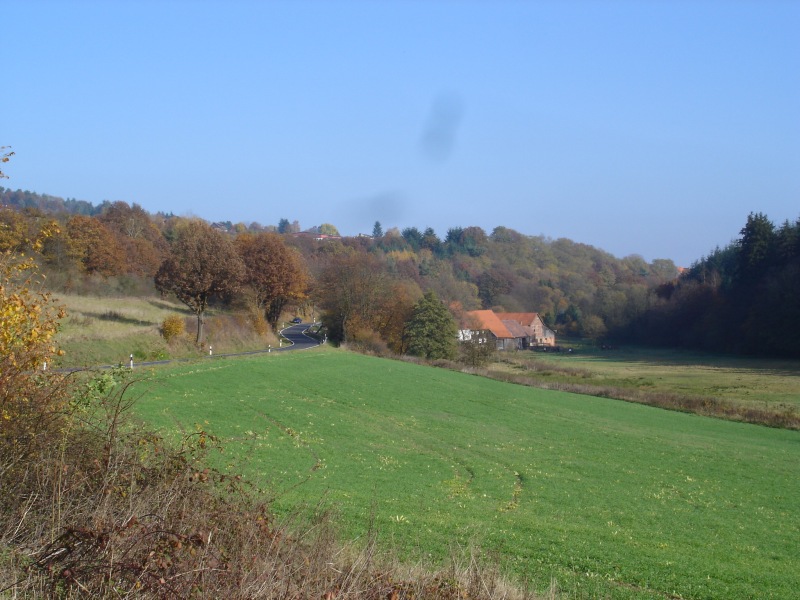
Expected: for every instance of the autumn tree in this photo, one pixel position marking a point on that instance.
(492, 284)
(28, 325)
(14, 230)
(393, 315)
(143, 245)
(275, 273)
(431, 329)
(93, 247)
(202, 263)
(328, 229)
(352, 289)
(430, 240)
(31, 398)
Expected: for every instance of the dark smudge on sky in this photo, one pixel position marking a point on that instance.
(439, 134)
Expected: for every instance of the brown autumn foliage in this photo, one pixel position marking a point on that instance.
(395, 314)
(143, 245)
(275, 273)
(14, 230)
(202, 263)
(93, 247)
(352, 288)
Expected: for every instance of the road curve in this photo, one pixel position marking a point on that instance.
(297, 336)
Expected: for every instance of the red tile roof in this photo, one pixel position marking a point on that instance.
(487, 319)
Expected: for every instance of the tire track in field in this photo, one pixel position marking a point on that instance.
(463, 487)
(297, 438)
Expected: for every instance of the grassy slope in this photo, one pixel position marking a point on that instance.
(612, 499)
(101, 331)
(107, 330)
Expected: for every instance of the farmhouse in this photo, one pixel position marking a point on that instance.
(508, 331)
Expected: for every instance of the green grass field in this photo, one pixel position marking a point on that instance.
(611, 499)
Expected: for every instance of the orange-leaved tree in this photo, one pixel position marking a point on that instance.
(276, 274)
(136, 233)
(93, 247)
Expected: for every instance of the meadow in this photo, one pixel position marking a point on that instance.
(609, 499)
(744, 381)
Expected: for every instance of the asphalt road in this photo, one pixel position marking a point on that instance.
(300, 341)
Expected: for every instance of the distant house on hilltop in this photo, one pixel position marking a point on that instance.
(508, 331)
(316, 235)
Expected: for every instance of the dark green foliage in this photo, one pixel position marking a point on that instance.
(413, 237)
(431, 329)
(471, 241)
(755, 247)
(431, 241)
(377, 230)
(744, 298)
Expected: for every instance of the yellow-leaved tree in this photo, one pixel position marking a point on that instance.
(31, 397)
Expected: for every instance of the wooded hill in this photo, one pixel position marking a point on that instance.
(740, 298)
(743, 298)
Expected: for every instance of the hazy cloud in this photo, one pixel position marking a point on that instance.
(387, 207)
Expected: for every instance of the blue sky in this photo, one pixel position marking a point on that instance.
(639, 127)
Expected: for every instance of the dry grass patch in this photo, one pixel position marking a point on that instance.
(107, 330)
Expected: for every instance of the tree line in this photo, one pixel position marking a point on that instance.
(367, 286)
(743, 298)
